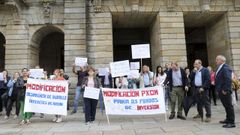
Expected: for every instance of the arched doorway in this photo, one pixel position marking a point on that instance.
(2, 52)
(47, 48)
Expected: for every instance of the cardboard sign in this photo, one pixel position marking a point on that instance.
(146, 101)
(103, 71)
(36, 73)
(46, 96)
(92, 93)
(134, 74)
(140, 51)
(120, 68)
(81, 62)
(134, 65)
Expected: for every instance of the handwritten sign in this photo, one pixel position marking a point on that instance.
(140, 51)
(120, 68)
(134, 74)
(144, 101)
(134, 65)
(81, 62)
(1, 77)
(46, 96)
(36, 73)
(103, 71)
(92, 93)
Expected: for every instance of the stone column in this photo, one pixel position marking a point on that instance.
(17, 46)
(75, 34)
(99, 38)
(234, 39)
(172, 38)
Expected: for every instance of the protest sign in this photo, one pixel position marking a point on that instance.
(46, 96)
(103, 71)
(1, 77)
(92, 93)
(140, 51)
(120, 68)
(134, 65)
(81, 62)
(134, 74)
(144, 101)
(36, 73)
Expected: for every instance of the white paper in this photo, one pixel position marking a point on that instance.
(36, 73)
(140, 51)
(134, 74)
(120, 68)
(103, 71)
(81, 62)
(1, 77)
(134, 65)
(92, 93)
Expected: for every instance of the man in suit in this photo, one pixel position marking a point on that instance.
(201, 83)
(223, 84)
(178, 85)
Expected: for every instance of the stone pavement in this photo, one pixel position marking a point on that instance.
(123, 125)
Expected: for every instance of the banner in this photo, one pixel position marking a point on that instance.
(46, 96)
(81, 62)
(140, 51)
(36, 73)
(92, 93)
(120, 68)
(144, 101)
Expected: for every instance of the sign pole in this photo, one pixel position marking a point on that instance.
(141, 64)
(108, 120)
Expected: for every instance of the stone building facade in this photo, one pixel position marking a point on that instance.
(51, 33)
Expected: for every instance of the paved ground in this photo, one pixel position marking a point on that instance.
(123, 125)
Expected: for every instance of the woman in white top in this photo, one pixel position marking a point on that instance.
(159, 78)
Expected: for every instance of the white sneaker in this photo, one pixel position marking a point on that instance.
(54, 119)
(15, 117)
(6, 117)
(59, 120)
(87, 123)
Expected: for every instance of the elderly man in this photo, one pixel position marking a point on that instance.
(178, 84)
(201, 82)
(223, 87)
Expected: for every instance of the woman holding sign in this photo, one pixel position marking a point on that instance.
(21, 85)
(90, 104)
(58, 76)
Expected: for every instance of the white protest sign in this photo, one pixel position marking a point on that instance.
(146, 101)
(134, 65)
(1, 77)
(46, 96)
(92, 93)
(81, 62)
(134, 74)
(120, 68)
(140, 51)
(103, 71)
(36, 73)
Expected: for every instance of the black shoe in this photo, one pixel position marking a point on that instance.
(73, 112)
(215, 104)
(223, 122)
(229, 125)
(171, 116)
(181, 117)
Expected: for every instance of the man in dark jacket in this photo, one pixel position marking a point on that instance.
(201, 83)
(178, 85)
(223, 85)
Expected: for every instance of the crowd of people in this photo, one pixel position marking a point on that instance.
(202, 83)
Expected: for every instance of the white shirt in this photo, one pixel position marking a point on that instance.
(198, 78)
(161, 78)
(219, 68)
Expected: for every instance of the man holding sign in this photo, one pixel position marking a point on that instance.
(91, 98)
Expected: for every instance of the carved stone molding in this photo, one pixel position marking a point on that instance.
(47, 9)
(97, 5)
(237, 4)
(171, 4)
(205, 5)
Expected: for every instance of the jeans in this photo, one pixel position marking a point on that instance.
(78, 95)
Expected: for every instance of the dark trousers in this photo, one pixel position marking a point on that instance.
(227, 104)
(213, 94)
(10, 102)
(3, 99)
(203, 100)
(90, 109)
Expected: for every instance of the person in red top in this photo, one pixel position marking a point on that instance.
(58, 76)
(212, 91)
